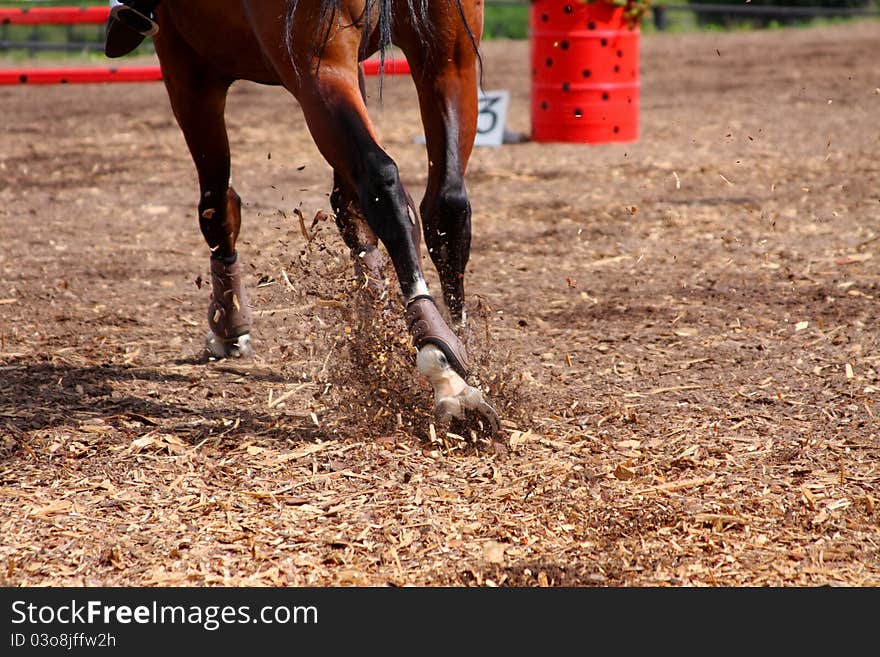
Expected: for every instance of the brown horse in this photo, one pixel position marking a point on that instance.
(313, 48)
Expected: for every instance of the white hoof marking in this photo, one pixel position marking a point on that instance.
(240, 347)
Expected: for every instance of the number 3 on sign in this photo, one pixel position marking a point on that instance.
(492, 117)
(491, 120)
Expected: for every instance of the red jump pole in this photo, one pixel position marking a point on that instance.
(92, 74)
(80, 75)
(53, 15)
(392, 67)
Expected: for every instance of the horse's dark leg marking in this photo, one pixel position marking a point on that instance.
(330, 93)
(448, 101)
(198, 99)
(353, 225)
(344, 136)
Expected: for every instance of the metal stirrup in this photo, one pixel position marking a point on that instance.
(139, 22)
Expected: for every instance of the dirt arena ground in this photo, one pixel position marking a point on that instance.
(681, 334)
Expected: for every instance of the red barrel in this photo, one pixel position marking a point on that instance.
(585, 72)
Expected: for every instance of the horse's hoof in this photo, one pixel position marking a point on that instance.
(453, 397)
(464, 406)
(218, 348)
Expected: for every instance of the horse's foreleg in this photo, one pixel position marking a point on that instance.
(198, 99)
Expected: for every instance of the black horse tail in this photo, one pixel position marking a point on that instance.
(329, 10)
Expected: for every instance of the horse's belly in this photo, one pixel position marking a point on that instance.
(253, 67)
(226, 39)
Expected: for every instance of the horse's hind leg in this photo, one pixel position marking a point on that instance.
(198, 99)
(447, 89)
(366, 175)
(357, 235)
(369, 265)
(337, 118)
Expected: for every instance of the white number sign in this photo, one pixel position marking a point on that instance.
(491, 120)
(492, 117)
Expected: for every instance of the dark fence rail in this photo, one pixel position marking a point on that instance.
(767, 10)
(54, 46)
(743, 7)
(746, 12)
